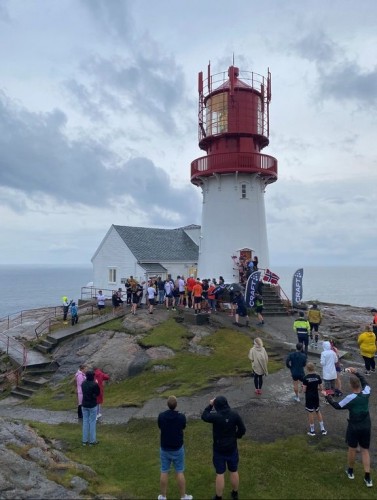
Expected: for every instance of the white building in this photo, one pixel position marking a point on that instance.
(144, 252)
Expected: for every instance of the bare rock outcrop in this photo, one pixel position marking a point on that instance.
(25, 460)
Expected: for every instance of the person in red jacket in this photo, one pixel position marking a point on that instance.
(100, 377)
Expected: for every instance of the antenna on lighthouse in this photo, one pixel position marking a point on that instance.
(233, 60)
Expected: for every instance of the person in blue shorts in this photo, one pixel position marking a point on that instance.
(296, 361)
(227, 427)
(171, 424)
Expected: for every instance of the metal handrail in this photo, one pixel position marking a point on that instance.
(12, 344)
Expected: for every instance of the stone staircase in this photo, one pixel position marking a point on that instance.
(34, 377)
(273, 304)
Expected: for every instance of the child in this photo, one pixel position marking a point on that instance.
(312, 383)
(74, 314)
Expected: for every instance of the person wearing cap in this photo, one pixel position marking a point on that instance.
(227, 427)
(172, 424)
(302, 328)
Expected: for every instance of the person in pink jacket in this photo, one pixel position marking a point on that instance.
(79, 379)
(100, 377)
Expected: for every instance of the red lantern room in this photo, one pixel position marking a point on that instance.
(234, 125)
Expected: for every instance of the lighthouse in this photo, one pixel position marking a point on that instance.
(233, 129)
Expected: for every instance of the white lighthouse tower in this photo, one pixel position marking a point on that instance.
(233, 129)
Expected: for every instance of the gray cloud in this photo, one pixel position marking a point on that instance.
(113, 17)
(38, 159)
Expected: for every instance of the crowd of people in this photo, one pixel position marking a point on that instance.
(200, 295)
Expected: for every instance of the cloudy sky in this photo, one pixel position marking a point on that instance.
(98, 121)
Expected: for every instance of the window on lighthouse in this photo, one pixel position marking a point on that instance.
(243, 191)
(217, 114)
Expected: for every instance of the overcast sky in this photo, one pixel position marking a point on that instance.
(98, 121)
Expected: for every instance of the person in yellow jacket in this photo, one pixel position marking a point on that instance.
(302, 327)
(314, 318)
(367, 345)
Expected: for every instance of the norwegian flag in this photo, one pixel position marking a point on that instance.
(270, 277)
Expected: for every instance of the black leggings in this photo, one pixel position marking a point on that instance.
(258, 381)
(369, 363)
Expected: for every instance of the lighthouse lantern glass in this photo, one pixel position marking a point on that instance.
(217, 114)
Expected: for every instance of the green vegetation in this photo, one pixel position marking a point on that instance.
(186, 373)
(127, 464)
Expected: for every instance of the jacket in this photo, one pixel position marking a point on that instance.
(328, 360)
(90, 391)
(314, 316)
(367, 344)
(79, 377)
(295, 362)
(259, 359)
(227, 425)
(301, 325)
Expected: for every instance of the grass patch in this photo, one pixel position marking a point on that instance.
(169, 334)
(186, 373)
(127, 464)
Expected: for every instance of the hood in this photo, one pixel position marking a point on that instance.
(326, 345)
(221, 403)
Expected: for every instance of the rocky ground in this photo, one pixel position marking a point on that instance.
(272, 416)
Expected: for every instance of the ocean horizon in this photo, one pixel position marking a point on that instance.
(31, 287)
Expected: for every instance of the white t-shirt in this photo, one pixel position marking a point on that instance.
(151, 292)
(181, 285)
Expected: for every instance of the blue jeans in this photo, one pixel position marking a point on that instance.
(89, 422)
(161, 296)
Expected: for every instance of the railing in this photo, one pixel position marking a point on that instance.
(90, 292)
(18, 318)
(284, 299)
(17, 352)
(264, 165)
(45, 326)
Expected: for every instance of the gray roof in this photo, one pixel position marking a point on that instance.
(151, 244)
(151, 267)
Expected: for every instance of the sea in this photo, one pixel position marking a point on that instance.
(32, 287)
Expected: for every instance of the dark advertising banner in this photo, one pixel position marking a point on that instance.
(250, 288)
(297, 289)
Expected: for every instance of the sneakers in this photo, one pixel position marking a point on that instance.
(368, 482)
(350, 474)
(94, 444)
(367, 372)
(161, 497)
(237, 324)
(187, 497)
(234, 495)
(324, 432)
(258, 392)
(310, 433)
(296, 398)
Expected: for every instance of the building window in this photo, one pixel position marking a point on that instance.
(243, 191)
(112, 275)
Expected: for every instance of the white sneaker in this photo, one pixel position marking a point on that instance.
(187, 497)
(296, 398)
(161, 497)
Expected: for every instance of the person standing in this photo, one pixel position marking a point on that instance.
(328, 362)
(172, 424)
(197, 291)
(367, 345)
(101, 299)
(241, 309)
(189, 285)
(259, 309)
(227, 427)
(374, 321)
(74, 314)
(296, 361)
(259, 363)
(314, 318)
(79, 379)
(100, 377)
(151, 292)
(312, 383)
(359, 423)
(302, 328)
(66, 304)
(90, 392)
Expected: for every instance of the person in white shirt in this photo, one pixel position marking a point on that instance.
(151, 292)
(100, 302)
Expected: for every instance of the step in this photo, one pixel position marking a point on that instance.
(41, 369)
(23, 391)
(18, 394)
(42, 348)
(37, 383)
